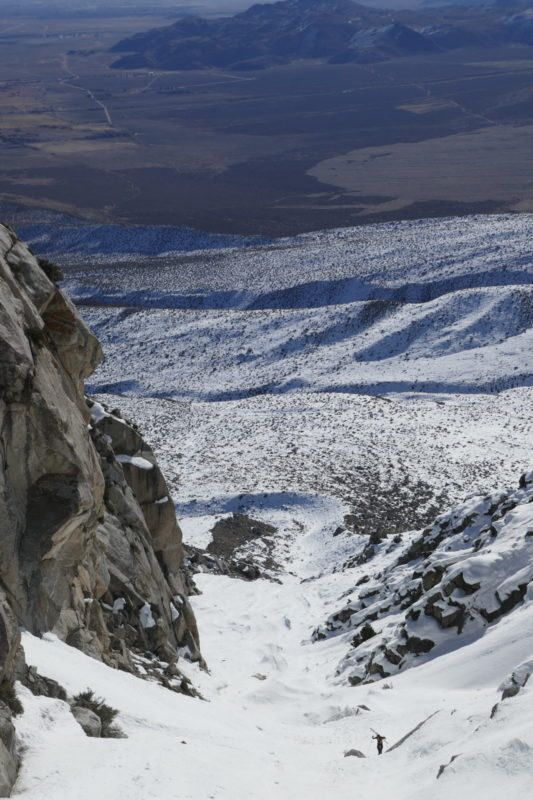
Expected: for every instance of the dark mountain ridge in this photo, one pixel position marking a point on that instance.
(339, 32)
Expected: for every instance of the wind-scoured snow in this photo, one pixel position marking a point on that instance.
(67, 236)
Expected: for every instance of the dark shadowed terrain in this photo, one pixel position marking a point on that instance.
(298, 146)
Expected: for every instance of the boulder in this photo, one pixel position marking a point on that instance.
(510, 691)
(89, 721)
(40, 685)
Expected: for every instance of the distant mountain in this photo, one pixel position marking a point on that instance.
(265, 35)
(338, 31)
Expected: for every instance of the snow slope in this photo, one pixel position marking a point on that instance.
(259, 375)
(341, 265)
(59, 235)
(467, 341)
(274, 725)
(259, 362)
(473, 566)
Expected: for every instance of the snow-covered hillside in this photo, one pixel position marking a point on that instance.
(346, 388)
(61, 235)
(291, 367)
(385, 367)
(391, 464)
(471, 567)
(414, 261)
(430, 306)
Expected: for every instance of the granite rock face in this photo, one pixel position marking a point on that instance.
(144, 604)
(8, 757)
(89, 545)
(11, 666)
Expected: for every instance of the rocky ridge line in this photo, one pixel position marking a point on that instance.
(450, 582)
(341, 32)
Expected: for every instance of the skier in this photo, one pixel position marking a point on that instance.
(380, 740)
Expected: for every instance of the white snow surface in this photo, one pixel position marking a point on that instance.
(387, 359)
(480, 557)
(135, 461)
(146, 616)
(433, 306)
(196, 529)
(274, 725)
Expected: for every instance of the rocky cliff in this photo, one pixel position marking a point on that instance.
(89, 545)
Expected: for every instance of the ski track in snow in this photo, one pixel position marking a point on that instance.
(274, 725)
(434, 314)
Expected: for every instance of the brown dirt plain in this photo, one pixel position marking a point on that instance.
(276, 152)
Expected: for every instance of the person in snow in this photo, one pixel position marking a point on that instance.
(379, 741)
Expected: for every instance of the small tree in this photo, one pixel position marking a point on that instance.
(9, 697)
(107, 714)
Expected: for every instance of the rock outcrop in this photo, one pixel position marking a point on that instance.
(89, 545)
(470, 568)
(145, 602)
